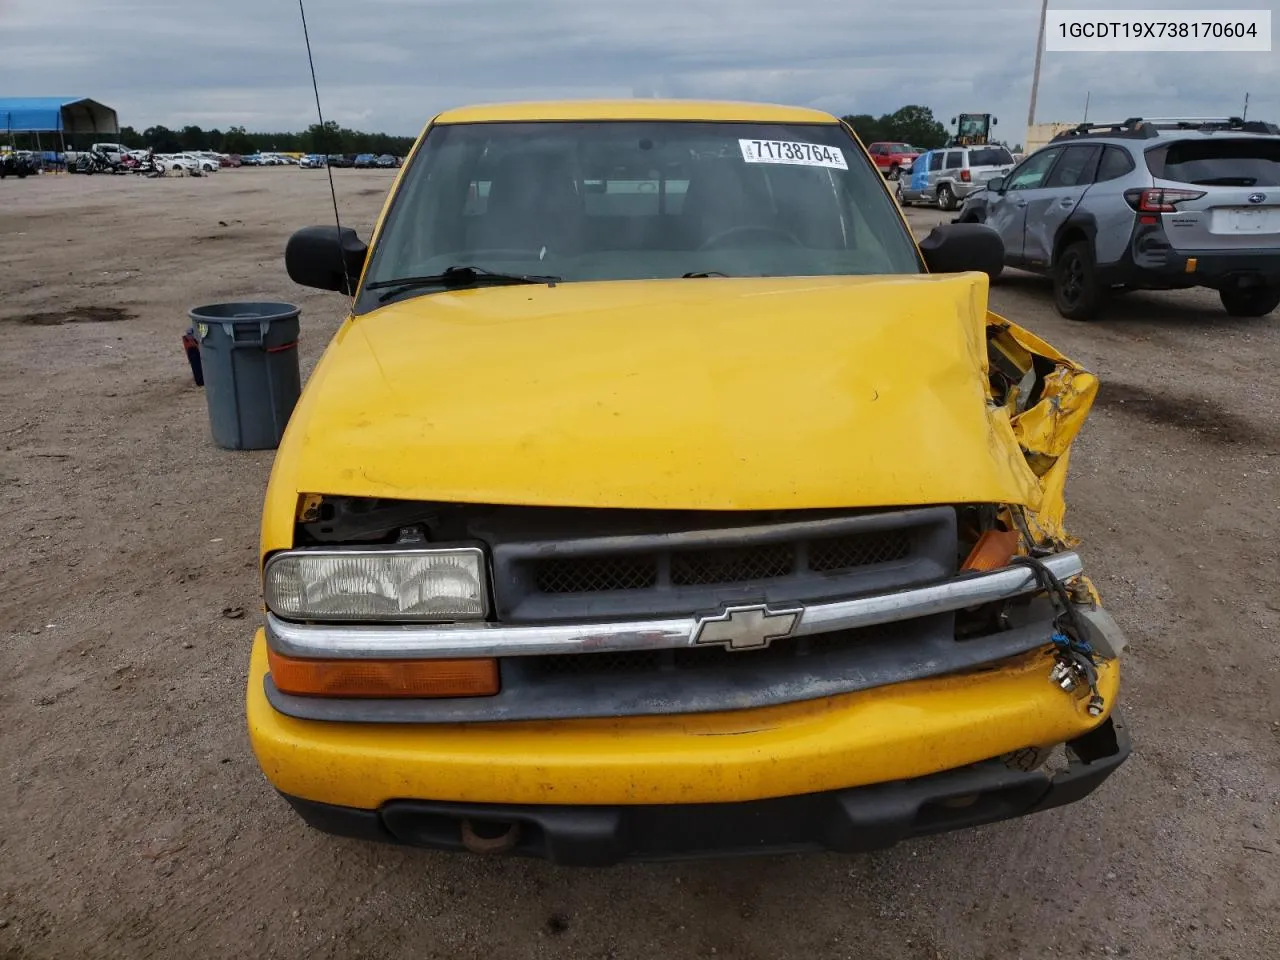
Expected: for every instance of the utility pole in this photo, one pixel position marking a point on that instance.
(1244, 114)
(1035, 76)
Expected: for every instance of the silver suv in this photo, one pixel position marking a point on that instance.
(948, 175)
(1145, 204)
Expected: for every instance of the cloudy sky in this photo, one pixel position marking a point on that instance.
(390, 64)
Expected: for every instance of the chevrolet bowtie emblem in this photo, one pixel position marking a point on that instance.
(745, 628)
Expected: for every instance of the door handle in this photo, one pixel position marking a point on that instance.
(1066, 202)
(1021, 203)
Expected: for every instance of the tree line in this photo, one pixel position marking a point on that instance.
(331, 138)
(913, 124)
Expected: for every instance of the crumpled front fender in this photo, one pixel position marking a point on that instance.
(1047, 398)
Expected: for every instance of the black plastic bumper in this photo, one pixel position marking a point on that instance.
(1151, 261)
(857, 819)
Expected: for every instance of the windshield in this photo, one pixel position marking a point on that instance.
(615, 200)
(902, 148)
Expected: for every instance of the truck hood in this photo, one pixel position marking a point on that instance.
(734, 394)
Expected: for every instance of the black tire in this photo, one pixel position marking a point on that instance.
(1027, 759)
(947, 198)
(1076, 292)
(1250, 301)
(894, 173)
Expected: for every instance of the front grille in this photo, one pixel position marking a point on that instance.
(732, 564)
(691, 568)
(596, 574)
(640, 566)
(846, 553)
(697, 659)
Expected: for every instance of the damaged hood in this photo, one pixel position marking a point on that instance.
(733, 394)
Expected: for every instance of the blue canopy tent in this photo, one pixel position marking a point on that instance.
(56, 115)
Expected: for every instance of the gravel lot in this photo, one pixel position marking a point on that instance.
(134, 822)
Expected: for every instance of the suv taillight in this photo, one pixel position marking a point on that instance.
(1159, 200)
(965, 175)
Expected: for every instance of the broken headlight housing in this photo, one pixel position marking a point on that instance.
(378, 585)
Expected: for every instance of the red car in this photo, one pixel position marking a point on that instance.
(891, 158)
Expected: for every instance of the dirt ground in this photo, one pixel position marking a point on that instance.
(134, 822)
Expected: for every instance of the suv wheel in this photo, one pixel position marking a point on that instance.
(894, 173)
(1075, 283)
(946, 198)
(1250, 301)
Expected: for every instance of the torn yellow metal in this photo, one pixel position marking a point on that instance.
(1046, 430)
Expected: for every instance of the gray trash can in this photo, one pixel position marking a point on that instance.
(249, 355)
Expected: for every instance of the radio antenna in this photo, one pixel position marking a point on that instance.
(315, 86)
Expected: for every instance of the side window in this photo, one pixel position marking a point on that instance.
(1033, 170)
(875, 149)
(955, 159)
(1115, 164)
(1075, 168)
(935, 161)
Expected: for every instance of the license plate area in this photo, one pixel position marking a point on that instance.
(1245, 220)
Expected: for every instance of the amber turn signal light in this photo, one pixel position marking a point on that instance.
(383, 678)
(994, 550)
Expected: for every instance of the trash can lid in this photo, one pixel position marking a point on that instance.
(250, 311)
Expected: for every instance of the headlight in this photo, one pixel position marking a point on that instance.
(405, 585)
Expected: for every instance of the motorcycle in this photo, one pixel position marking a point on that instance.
(145, 166)
(95, 161)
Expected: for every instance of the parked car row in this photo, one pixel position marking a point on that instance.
(364, 161)
(1144, 205)
(106, 156)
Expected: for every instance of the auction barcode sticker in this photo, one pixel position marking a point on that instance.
(1153, 31)
(793, 152)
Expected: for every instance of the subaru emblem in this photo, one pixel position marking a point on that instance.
(1257, 197)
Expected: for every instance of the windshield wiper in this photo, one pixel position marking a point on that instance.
(457, 276)
(705, 273)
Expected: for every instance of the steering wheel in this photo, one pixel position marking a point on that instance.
(716, 238)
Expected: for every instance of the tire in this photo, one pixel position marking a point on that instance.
(1027, 759)
(1250, 301)
(1076, 292)
(893, 174)
(946, 198)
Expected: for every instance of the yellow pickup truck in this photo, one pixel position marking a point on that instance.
(660, 496)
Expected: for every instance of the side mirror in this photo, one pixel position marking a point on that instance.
(994, 121)
(325, 258)
(963, 247)
(996, 184)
